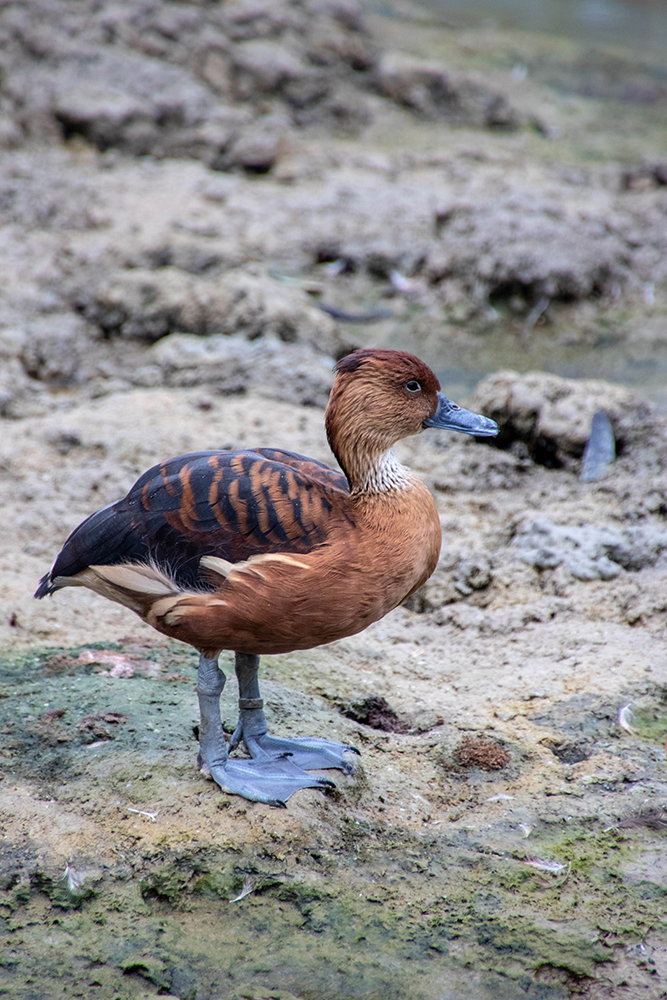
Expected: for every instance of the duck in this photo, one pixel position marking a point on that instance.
(264, 551)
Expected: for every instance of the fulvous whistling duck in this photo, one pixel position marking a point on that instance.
(266, 551)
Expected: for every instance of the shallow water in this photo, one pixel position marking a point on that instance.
(461, 364)
(605, 60)
(646, 375)
(636, 23)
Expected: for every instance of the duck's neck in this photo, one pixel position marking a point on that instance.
(361, 436)
(373, 473)
(383, 475)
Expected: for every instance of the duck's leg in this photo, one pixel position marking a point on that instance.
(310, 753)
(271, 780)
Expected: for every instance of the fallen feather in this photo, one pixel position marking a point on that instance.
(400, 282)
(411, 288)
(554, 867)
(143, 812)
(531, 319)
(624, 720)
(335, 267)
(73, 878)
(246, 889)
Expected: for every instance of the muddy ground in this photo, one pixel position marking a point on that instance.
(499, 201)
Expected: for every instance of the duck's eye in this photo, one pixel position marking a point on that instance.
(413, 386)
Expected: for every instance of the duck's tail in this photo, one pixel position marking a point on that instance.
(135, 585)
(46, 586)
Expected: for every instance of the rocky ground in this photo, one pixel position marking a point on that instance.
(183, 188)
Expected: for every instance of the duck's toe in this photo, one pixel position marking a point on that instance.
(309, 753)
(271, 780)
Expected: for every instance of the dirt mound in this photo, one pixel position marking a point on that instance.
(587, 552)
(226, 84)
(181, 81)
(147, 305)
(426, 87)
(552, 416)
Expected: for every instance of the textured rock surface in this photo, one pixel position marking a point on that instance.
(141, 250)
(171, 80)
(552, 416)
(587, 552)
(165, 79)
(225, 365)
(147, 305)
(531, 247)
(427, 88)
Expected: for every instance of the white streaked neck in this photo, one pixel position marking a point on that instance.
(382, 475)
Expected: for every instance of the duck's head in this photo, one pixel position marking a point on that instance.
(380, 396)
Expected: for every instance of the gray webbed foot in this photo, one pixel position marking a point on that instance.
(310, 754)
(271, 780)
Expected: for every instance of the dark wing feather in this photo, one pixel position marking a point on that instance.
(231, 504)
(317, 471)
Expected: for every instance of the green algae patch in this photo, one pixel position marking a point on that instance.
(310, 944)
(126, 874)
(54, 704)
(650, 723)
(66, 891)
(537, 947)
(586, 851)
(154, 970)
(211, 922)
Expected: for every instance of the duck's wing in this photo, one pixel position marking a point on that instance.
(318, 472)
(228, 504)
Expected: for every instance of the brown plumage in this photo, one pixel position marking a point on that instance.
(265, 551)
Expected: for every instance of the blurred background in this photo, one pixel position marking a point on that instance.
(482, 183)
(641, 25)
